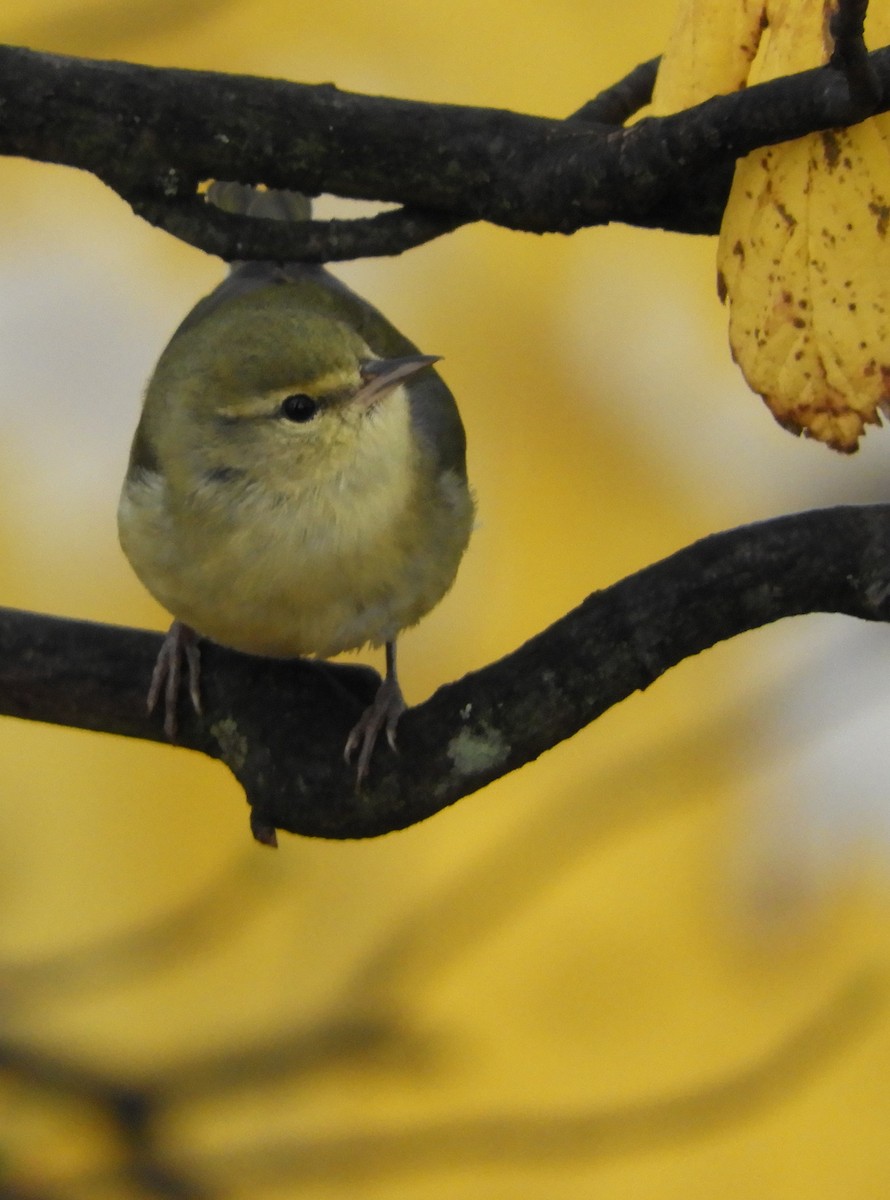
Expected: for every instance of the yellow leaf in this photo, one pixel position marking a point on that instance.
(803, 260)
(805, 265)
(710, 51)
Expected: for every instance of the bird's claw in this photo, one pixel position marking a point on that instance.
(381, 714)
(180, 642)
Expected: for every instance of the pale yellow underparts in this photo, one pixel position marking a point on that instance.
(310, 555)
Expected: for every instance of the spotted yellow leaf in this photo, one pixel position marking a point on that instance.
(804, 262)
(803, 257)
(710, 50)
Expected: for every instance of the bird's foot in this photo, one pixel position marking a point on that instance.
(382, 713)
(180, 642)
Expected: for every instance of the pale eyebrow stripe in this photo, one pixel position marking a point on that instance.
(333, 386)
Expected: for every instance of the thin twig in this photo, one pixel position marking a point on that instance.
(234, 237)
(621, 101)
(850, 55)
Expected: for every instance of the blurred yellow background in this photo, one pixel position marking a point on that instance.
(652, 964)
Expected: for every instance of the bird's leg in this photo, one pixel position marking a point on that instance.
(180, 642)
(382, 713)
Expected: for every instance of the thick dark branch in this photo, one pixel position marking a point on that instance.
(154, 135)
(281, 726)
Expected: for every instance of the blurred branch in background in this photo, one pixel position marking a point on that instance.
(193, 927)
(374, 1029)
(531, 1139)
(138, 1112)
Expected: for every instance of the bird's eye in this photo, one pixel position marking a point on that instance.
(299, 407)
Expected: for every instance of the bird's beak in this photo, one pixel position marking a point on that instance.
(381, 375)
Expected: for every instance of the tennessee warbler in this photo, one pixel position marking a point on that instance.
(297, 482)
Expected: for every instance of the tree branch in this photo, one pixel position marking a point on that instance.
(233, 237)
(281, 726)
(618, 103)
(850, 55)
(154, 135)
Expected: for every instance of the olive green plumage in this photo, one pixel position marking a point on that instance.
(297, 482)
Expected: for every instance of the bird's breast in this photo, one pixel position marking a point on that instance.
(321, 567)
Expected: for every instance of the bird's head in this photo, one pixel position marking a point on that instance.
(266, 391)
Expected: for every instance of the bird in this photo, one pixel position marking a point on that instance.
(297, 482)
